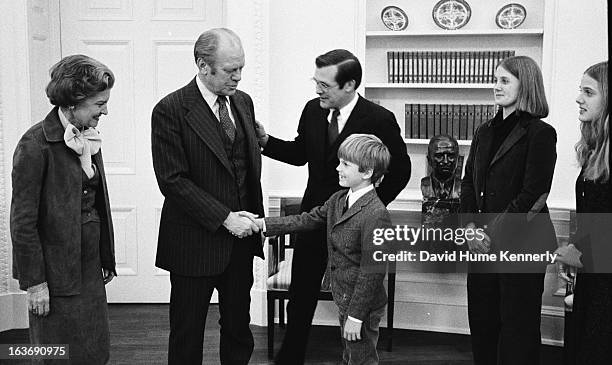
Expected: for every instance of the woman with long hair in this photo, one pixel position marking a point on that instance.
(507, 179)
(589, 333)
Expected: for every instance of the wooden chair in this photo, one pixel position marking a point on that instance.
(279, 278)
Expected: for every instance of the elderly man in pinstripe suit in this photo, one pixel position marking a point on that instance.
(208, 165)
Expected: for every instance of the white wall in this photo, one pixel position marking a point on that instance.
(579, 39)
(299, 32)
(14, 118)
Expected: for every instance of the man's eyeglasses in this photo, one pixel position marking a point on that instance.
(322, 85)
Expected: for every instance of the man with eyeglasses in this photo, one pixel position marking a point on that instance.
(326, 121)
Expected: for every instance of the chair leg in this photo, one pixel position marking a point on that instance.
(281, 312)
(270, 327)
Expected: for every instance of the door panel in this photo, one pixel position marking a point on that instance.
(149, 47)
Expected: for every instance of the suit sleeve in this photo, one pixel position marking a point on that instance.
(172, 170)
(27, 176)
(315, 219)
(399, 170)
(291, 152)
(371, 273)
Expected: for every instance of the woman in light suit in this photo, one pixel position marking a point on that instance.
(507, 178)
(61, 227)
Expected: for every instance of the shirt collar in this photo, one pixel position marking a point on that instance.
(353, 196)
(63, 118)
(209, 96)
(345, 111)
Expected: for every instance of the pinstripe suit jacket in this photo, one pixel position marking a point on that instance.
(195, 176)
(356, 279)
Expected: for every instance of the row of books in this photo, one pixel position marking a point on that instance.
(423, 121)
(472, 67)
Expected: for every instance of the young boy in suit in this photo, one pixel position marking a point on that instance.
(351, 217)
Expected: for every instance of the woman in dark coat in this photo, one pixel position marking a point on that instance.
(61, 228)
(507, 179)
(588, 334)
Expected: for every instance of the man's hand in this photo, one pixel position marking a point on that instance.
(107, 275)
(38, 299)
(240, 224)
(352, 330)
(262, 136)
(260, 223)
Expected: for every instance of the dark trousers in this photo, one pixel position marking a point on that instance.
(309, 262)
(504, 313)
(189, 300)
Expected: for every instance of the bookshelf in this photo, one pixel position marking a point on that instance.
(422, 34)
(458, 32)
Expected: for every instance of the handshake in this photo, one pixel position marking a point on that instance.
(242, 224)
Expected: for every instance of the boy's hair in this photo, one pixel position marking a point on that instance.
(368, 152)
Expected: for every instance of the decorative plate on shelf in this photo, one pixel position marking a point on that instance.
(510, 16)
(451, 14)
(394, 18)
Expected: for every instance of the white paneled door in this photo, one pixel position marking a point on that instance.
(149, 47)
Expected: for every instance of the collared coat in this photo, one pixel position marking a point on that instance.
(46, 210)
(508, 195)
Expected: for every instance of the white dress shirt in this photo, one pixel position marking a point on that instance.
(211, 100)
(345, 113)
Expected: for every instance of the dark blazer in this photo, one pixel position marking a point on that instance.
(46, 210)
(310, 147)
(514, 186)
(356, 279)
(195, 176)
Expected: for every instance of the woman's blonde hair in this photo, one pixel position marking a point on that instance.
(593, 148)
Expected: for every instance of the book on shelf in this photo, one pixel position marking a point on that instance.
(470, 122)
(463, 122)
(422, 121)
(430, 121)
(437, 126)
(443, 118)
(469, 67)
(477, 116)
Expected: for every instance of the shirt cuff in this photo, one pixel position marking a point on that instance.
(355, 319)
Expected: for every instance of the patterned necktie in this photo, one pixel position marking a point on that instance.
(332, 127)
(224, 118)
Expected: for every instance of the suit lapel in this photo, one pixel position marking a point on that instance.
(243, 115)
(355, 208)
(515, 135)
(204, 123)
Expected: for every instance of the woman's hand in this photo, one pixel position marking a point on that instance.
(107, 275)
(38, 299)
(476, 245)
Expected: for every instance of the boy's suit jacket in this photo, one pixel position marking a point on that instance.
(356, 279)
